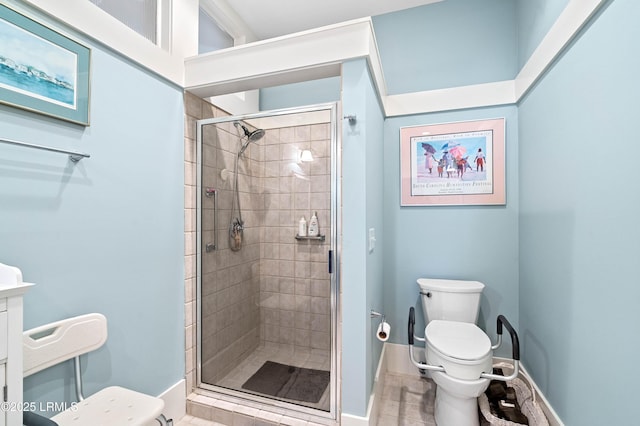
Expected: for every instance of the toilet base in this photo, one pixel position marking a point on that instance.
(452, 410)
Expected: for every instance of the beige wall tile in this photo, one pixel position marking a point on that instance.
(286, 278)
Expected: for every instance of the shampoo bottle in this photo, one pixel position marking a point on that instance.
(314, 230)
(302, 227)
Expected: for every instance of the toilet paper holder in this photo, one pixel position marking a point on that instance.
(375, 314)
(382, 332)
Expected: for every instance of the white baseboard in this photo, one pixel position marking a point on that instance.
(175, 401)
(373, 408)
(351, 420)
(547, 409)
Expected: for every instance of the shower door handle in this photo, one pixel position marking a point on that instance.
(211, 192)
(330, 261)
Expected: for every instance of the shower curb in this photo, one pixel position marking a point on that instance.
(246, 413)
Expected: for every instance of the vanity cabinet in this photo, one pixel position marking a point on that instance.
(11, 353)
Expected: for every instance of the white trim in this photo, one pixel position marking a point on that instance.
(228, 20)
(392, 359)
(479, 95)
(373, 407)
(87, 18)
(547, 409)
(319, 53)
(293, 58)
(398, 361)
(572, 19)
(13, 292)
(375, 64)
(175, 401)
(303, 56)
(184, 14)
(351, 420)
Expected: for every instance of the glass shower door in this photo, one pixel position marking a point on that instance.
(267, 304)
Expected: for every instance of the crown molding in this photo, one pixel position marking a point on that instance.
(319, 53)
(474, 96)
(228, 20)
(573, 18)
(302, 56)
(309, 55)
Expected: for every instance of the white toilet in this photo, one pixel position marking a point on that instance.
(458, 353)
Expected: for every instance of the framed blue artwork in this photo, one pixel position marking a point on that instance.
(453, 164)
(42, 70)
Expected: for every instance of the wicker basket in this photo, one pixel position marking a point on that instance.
(528, 406)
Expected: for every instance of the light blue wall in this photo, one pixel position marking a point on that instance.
(558, 258)
(362, 196)
(448, 44)
(107, 234)
(104, 235)
(361, 209)
(373, 123)
(312, 92)
(461, 242)
(452, 43)
(482, 242)
(535, 18)
(579, 239)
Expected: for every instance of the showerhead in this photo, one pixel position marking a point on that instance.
(254, 136)
(251, 136)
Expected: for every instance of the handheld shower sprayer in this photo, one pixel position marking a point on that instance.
(236, 227)
(253, 136)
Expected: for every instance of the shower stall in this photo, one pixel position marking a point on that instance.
(267, 297)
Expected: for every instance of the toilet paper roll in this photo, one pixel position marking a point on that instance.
(384, 329)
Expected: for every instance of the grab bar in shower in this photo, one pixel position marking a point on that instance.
(73, 156)
(211, 192)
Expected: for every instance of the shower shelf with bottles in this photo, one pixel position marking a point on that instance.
(306, 238)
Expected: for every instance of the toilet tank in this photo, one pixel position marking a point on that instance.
(450, 300)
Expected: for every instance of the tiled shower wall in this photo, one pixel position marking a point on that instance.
(195, 109)
(283, 296)
(295, 284)
(230, 279)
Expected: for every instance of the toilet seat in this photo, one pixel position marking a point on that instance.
(463, 349)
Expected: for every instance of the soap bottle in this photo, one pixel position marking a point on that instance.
(302, 227)
(314, 231)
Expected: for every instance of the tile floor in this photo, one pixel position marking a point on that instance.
(194, 421)
(406, 401)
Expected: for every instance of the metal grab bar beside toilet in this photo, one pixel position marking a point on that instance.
(501, 321)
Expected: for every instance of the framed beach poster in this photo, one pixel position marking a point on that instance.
(450, 164)
(42, 70)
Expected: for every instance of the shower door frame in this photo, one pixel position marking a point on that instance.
(236, 396)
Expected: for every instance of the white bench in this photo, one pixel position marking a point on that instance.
(53, 343)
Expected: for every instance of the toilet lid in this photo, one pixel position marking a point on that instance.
(460, 340)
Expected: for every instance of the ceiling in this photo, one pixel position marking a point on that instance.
(267, 19)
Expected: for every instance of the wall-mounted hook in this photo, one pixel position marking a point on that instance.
(352, 119)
